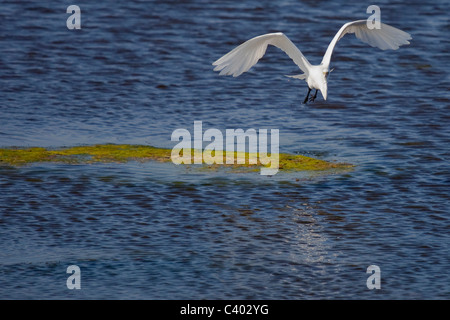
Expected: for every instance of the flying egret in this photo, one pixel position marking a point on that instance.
(245, 56)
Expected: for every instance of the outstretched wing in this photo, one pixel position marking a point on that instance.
(387, 37)
(245, 56)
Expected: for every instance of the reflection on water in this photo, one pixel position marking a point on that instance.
(138, 71)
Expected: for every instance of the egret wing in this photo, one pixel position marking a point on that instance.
(245, 56)
(387, 37)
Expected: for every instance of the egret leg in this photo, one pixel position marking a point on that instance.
(314, 97)
(307, 96)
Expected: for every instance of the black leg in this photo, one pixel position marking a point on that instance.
(307, 96)
(314, 97)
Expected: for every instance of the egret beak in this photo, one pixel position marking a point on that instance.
(323, 91)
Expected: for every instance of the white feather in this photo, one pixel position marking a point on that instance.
(245, 56)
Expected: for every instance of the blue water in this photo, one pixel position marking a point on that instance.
(138, 70)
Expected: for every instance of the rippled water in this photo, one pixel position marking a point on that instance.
(138, 70)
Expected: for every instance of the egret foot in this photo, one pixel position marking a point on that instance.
(311, 99)
(307, 96)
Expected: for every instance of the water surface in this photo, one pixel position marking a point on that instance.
(138, 70)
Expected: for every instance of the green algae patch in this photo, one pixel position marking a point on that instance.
(121, 153)
(114, 153)
(17, 157)
(303, 163)
(83, 154)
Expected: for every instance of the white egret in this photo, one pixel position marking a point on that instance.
(243, 57)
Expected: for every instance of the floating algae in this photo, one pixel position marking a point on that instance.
(108, 153)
